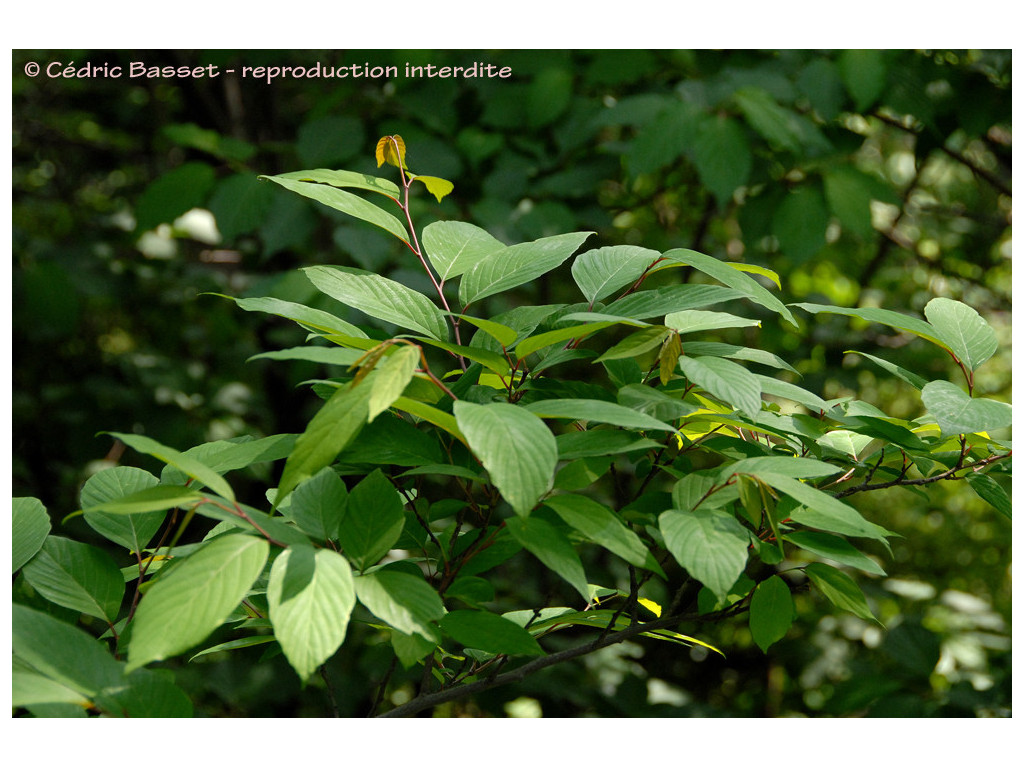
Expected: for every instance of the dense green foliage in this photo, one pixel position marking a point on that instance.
(728, 440)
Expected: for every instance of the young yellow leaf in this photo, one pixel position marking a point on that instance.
(386, 152)
(437, 187)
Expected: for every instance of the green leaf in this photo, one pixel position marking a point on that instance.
(372, 522)
(172, 194)
(840, 589)
(226, 455)
(489, 632)
(896, 320)
(308, 317)
(780, 388)
(381, 298)
(963, 330)
(783, 128)
(552, 548)
(693, 320)
(717, 349)
(29, 688)
(602, 271)
(600, 442)
(146, 693)
(958, 413)
(791, 466)
(334, 426)
(636, 344)
(405, 602)
(670, 298)
(194, 469)
(599, 411)
(822, 510)
(393, 375)
(722, 156)
(159, 498)
(318, 504)
(710, 544)
(133, 531)
(504, 335)
(992, 492)
(455, 246)
(800, 223)
(345, 202)
(725, 380)
(517, 264)
(530, 345)
(654, 402)
(771, 612)
(727, 275)
(864, 73)
(901, 373)
(603, 527)
(515, 447)
(62, 653)
(182, 608)
(77, 576)
(349, 179)
(849, 193)
(834, 548)
(439, 188)
(311, 595)
(30, 527)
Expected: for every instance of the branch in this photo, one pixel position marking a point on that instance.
(949, 474)
(429, 700)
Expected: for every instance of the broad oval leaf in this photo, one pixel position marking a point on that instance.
(490, 632)
(771, 612)
(822, 510)
(958, 413)
(62, 653)
(834, 548)
(693, 320)
(349, 179)
(30, 527)
(318, 505)
(77, 576)
(191, 467)
(840, 589)
(600, 272)
(407, 603)
(455, 246)
(517, 264)
(381, 298)
(182, 608)
(710, 544)
(724, 273)
(515, 447)
(671, 298)
(603, 527)
(311, 594)
(393, 375)
(132, 531)
(372, 522)
(600, 411)
(345, 202)
(308, 317)
(548, 545)
(334, 426)
(725, 380)
(963, 330)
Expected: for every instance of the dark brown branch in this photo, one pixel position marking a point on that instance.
(427, 701)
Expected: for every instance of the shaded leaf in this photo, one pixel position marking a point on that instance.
(311, 595)
(489, 632)
(548, 545)
(515, 447)
(182, 608)
(710, 544)
(30, 527)
(771, 612)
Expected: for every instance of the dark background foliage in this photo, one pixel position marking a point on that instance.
(864, 178)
